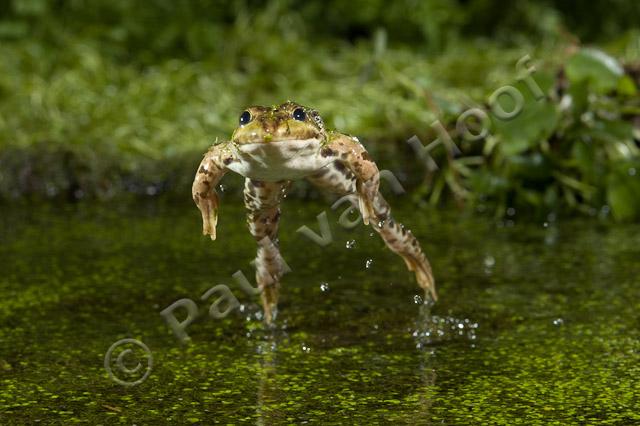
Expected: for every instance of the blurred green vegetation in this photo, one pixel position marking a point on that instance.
(102, 98)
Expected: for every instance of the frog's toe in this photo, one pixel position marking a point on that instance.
(426, 281)
(366, 209)
(209, 222)
(213, 220)
(424, 276)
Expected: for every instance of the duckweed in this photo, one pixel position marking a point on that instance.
(556, 342)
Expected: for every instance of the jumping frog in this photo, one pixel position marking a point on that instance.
(273, 146)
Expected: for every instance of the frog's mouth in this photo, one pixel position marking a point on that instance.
(268, 139)
(283, 159)
(279, 149)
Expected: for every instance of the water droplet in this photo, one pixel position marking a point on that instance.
(545, 225)
(434, 328)
(324, 287)
(350, 244)
(305, 348)
(222, 188)
(368, 263)
(417, 299)
(558, 322)
(489, 261)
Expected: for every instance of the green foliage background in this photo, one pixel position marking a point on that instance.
(104, 98)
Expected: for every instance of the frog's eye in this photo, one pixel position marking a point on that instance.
(299, 114)
(245, 117)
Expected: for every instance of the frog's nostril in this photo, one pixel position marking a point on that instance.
(268, 127)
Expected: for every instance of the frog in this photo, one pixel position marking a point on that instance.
(273, 146)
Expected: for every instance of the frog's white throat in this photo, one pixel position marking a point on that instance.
(281, 160)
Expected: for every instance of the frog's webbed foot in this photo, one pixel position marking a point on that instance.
(208, 205)
(418, 264)
(209, 173)
(262, 200)
(350, 153)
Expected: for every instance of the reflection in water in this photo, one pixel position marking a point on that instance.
(429, 331)
(427, 370)
(265, 339)
(267, 386)
(428, 375)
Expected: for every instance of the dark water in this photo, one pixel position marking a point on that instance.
(536, 324)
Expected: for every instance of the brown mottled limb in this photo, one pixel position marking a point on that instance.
(262, 200)
(350, 152)
(401, 241)
(209, 173)
(338, 179)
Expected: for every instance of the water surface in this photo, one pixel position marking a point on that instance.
(536, 323)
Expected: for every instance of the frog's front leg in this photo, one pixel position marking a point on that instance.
(350, 153)
(262, 200)
(211, 169)
(337, 178)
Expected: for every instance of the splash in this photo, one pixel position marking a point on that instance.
(432, 329)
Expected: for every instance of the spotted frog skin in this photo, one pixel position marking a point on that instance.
(278, 144)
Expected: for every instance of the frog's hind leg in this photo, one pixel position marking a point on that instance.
(262, 200)
(339, 179)
(401, 241)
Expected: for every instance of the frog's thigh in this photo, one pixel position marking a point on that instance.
(262, 200)
(335, 177)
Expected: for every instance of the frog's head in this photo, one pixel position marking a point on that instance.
(285, 122)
